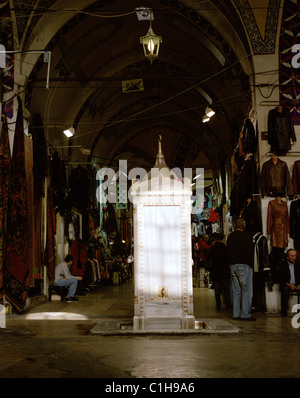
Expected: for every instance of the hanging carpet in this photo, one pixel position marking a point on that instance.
(32, 247)
(17, 233)
(50, 236)
(4, 184)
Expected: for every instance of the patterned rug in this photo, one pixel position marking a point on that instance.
(50, 238)
(289, 75)
(4, 184)
(16, 264)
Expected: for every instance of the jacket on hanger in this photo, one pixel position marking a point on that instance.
(249, 137)
(261, 253)
(275, 179)
(280, 130)
(252, 216)
(296, 177)
(295, 223)
(79, 252)
(278, 223)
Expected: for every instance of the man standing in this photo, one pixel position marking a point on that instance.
(240, 249)
(63, 277)
(289, 278)
(220, 271)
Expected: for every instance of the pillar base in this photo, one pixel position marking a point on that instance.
(185, 322)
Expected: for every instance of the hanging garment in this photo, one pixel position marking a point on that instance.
(275, 179)
(58, 181)
(280, 130)
(50, 236)
(261, 253)
(252, 216)
(261, 270)
(213, 216)
(17, 234)
(28, 147)
(78, 196)
(296, 177)
(194, 229)
(79, 252)
(4, 190)
(109, 220)
(278, 223)
(38, 235)
(277, 259)
(249, 140)
(250, 178)
(295, 223)
(39, 155)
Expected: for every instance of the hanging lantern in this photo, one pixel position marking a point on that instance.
(151, 44)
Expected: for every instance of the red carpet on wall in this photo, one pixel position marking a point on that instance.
(16, 264)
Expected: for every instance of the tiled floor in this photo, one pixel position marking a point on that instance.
(55, 340)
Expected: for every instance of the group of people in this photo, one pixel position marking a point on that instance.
(231, 271)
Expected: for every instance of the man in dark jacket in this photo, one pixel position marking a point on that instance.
(218, 260)
(289, 278)
(240, 249)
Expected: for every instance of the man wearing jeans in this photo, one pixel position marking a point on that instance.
(63, 277)
(240, 249)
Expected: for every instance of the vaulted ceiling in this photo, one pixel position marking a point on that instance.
(95, 46)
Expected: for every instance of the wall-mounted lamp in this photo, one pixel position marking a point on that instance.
(69, 132)
(151, 43)
(205, 119)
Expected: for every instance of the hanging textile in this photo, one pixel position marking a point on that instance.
(28, 148)
(289, 74)
(39, 155)
(278, 223)
(7, 38)
(4, 185)
(17, 234)
(38, 235)
(79, 252)
(50, 238)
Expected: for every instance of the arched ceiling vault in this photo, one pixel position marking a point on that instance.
(203, 58)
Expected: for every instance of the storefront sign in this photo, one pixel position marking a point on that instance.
(129, 86)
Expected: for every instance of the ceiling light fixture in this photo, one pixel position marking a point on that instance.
(69, 132)
(209, 112)
(85, 151)
(205, 119)
(151, 43)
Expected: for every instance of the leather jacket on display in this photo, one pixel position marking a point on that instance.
(280, 130)
(278, 223)
(295, 223)
(275, 179)
(296, 176)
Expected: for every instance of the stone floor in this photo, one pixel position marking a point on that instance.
(56, 340)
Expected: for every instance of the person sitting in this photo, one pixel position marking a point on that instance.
(289, 278)
(63, 277)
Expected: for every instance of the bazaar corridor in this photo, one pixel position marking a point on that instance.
(56, 340)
